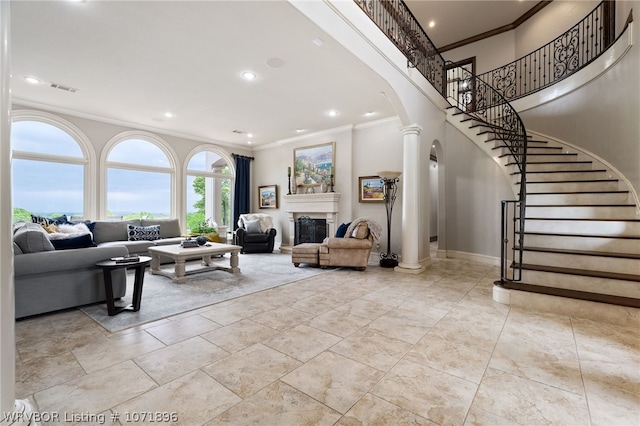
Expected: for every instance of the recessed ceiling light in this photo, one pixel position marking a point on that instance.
(168, 115)
(32, 80)
(248, 75)
(333, 113)
(299, 130)
(317, 41)
(432, 24)
(369, 113)
(249, 135)
(249, 142)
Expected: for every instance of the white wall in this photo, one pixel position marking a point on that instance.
(474, 188)
(490, 53)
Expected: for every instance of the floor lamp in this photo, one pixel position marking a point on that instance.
(389, 189)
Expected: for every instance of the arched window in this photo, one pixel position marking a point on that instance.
(50, 161)
(140, 175)
(208, 188)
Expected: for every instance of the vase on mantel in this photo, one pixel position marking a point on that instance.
(323, 187)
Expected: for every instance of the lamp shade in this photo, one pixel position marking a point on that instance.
(390, 175)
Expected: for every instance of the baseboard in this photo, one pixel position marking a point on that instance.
(473, 257)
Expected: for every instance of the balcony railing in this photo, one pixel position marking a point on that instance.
(557, 60)
(395, 19)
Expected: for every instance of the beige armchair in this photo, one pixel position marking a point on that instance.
(352, 250)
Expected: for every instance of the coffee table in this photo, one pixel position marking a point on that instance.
(180, 255)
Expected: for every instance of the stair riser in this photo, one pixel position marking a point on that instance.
(623, 228)
(554, 167)
(595, 199)
(531, 159)
(533, 150)
(497, 143)
(535, 186)
(581, 283)
(580, 212)
(605, 245)
(565, 176)
(587, 263)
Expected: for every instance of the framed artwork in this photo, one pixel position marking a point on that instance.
(370, 189)
(313, 165)
(268, 197)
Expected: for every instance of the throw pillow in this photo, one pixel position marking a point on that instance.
(361, 231)
(31, 238)
(252, 226)
(46, 221)
(143, 233)
(50, 228)
(74, 242)
(342, 230)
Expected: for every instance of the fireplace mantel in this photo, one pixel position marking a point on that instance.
(323, 205)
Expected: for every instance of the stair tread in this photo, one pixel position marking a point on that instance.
(578, 192)
(558, 234)
(581, 205)
(581, 272)
(559, 162)
(582, 252)
(572, 294)
(584, 219)
(572, 181)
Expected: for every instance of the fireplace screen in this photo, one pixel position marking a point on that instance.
(308, 230)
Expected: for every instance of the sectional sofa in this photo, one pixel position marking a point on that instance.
(55, 274)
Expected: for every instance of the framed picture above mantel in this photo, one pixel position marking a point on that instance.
(314, 165)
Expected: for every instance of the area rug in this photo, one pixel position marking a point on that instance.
(161, 297)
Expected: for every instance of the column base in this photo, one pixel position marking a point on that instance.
(501, 295)
(409, 268)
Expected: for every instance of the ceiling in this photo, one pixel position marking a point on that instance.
(131, 62)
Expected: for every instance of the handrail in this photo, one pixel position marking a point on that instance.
(486, 105)
(395, 19)
(565, 55)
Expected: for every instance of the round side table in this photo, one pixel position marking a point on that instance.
(111, 265)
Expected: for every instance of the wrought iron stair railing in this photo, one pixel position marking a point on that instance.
(564, 56)
(479, 100)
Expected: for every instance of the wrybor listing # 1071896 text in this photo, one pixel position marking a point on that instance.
(87, 417)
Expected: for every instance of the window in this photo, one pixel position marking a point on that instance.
(139, 178)
(208, 191)
(49, 166)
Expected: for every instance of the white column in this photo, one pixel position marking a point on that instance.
(410, 206)
(20, 409)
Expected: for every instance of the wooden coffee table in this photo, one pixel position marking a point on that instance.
(180, 256)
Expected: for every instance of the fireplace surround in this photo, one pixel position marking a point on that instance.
(316, 206)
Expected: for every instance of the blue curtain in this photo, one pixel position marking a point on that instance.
(242, 190)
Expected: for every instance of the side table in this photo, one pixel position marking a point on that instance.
(110, 265)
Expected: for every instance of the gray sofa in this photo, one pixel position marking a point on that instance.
(48, 280)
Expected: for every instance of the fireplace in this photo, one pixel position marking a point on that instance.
(314, 206)
(309, 230)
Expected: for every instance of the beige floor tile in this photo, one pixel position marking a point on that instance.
(239, 335)
(407, 325)
(371, 410)
(120, 347)
(339, 323)
(171, 362)
(191, 400)
(96, 392)
(465, 361)
(302, 342)
(373, 349)
(42, 373)
(317, 304)
(610, 405)
(478, 417)
(282, 318)
(445, 400)
(278, 404)
(182, 329)
(334, 380)
(230, 313)
(251, 369)
(527, 402)
(364, 308)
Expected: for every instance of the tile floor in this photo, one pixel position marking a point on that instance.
(346, 348)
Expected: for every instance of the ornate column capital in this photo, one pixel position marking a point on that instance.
(414, 129)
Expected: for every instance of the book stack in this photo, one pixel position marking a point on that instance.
(126, 259)
(188, 243)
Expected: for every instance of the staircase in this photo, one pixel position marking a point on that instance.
(582, 232)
